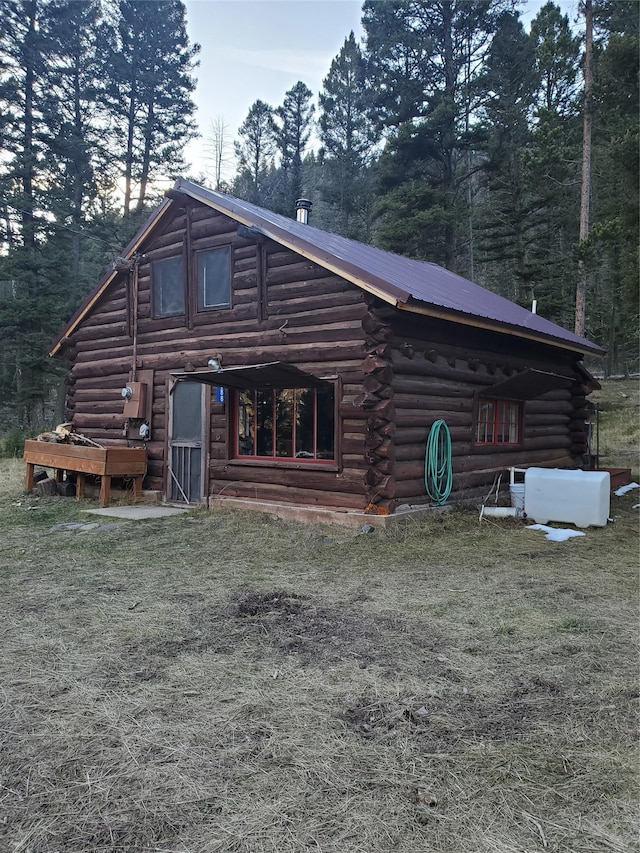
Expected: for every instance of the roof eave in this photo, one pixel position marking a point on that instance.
(414, 307)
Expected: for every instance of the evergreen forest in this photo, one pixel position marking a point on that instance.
(449, 133)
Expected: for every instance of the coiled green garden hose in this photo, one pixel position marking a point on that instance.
(438, 477)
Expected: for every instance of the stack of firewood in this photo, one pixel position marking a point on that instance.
(64, 434)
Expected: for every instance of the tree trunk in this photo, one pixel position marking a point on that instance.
(585, 197)
(148, 141)
(128, 168)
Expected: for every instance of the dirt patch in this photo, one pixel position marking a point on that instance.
(318, 633)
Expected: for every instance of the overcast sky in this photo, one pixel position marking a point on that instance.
(259, 49)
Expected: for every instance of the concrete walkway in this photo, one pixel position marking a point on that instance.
(138, 512)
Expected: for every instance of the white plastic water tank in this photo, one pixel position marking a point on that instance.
(578, 497)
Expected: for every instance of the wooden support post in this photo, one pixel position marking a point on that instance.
(137, 487)
(105, 489)
(29, 481)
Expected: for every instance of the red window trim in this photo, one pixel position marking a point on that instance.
(498, 405)
(285, 461)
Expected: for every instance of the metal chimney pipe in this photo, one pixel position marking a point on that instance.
(303, 206)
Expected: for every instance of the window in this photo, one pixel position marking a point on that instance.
(214, 278)
(167, 287)
(499, 422)
(286, 424)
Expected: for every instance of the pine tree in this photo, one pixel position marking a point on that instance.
(612, 249)
(426, 61)
(255, 151)
(293, 126)
(60, 140)
(23, 301)
(552, 164)
(348, 137)
(151, 83)
(73, 99)
(505, 217)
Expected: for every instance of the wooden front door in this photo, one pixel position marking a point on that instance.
(186, 480)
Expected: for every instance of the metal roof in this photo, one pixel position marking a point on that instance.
(529, 384)
(273, 374)
(416, 286)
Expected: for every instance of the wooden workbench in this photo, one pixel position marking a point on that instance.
(103, 462)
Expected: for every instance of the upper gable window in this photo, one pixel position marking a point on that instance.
(214, 278)
(167, 286)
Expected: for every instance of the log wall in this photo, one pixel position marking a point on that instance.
(438, 372)
(283, 308)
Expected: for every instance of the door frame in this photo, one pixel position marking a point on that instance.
(206, 435)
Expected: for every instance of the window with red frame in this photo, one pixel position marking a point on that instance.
(286, 424)
(499, 421)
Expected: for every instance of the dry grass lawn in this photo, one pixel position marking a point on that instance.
(619, 405)
(225, 682)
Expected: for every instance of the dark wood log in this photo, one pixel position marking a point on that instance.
(419, 435)
(531, 431)
(383, 350)
(83, 421)
(532, 419)
(373, 439)
(374, 477)
(381, 378)
(384, 450)
(309, 306)
(427, 387)
(431, 404)
(383, 466)
(439, 371)
(258, 493)
(519, 459)
(314, 288)
(554, 407)
(418, 417)
(307, 475)
(366, 401)
(383, 488)
(382, 425)
(413, 452)
(408, 490)
(373, 362)
(287, 493)
(385, 409)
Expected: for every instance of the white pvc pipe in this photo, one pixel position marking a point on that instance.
(499, 511)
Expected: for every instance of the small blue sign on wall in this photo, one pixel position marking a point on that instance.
(219, 394)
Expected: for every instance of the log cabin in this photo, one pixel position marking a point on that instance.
(267, 363)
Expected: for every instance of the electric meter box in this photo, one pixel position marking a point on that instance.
(135, 405)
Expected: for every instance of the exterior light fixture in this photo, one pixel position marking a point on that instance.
(214, 364)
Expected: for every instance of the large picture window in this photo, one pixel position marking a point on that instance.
(167, 287)
(499, 421)
(214, 278)
(286, 424)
